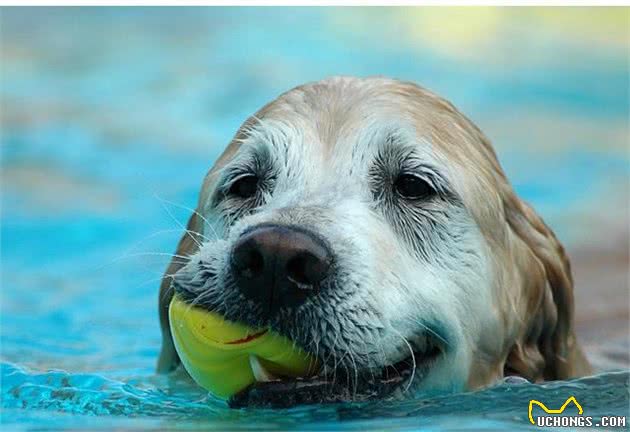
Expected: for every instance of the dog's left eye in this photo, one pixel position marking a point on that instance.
(412, 187)
(245, 187)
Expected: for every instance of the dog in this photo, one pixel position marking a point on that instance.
(370, 222)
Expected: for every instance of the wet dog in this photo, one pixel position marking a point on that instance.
(370, 222)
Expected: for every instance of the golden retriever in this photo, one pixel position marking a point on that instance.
(370, 222)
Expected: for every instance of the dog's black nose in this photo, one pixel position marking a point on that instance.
(279, 266)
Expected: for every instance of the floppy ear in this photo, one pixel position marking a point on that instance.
(188, 245)
(546, 349)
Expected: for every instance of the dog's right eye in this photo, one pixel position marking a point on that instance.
(412, 187)
(245, 187)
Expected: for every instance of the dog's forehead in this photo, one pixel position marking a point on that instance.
(334, 116)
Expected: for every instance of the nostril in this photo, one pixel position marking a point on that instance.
(248, 262)
(255, 264)
(306, 269)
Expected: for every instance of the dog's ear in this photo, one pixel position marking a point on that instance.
(188, 245)
(546, 349)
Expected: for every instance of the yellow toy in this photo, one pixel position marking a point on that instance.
(225, 357)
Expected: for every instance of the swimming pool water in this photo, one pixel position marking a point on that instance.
(69, 400)
(110, 120)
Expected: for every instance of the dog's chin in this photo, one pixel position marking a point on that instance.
(342, 384)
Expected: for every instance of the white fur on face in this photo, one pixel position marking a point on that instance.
(401, 271)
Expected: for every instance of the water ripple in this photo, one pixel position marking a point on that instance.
(173, 402)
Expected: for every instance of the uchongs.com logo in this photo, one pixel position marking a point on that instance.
(557, 417)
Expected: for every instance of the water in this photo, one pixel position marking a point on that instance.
(72, 400)
(111, 119)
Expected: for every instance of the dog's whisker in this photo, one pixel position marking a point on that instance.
(165, 254)
(128, 253)
(355, 369)
(196, 301)
(203, 218)
(433, 332)
(413, 358)
(170, 214)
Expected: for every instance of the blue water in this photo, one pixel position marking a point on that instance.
(110, 120)
(72, 400)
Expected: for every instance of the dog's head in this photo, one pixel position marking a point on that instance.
(370, 222)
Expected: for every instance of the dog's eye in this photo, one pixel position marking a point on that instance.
(245, 187)
(411, 187)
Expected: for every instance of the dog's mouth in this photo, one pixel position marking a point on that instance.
(341, 384)
(418, 362)
(338, 381)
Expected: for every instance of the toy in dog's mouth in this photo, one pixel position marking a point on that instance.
(226, 357)
(258, 367)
